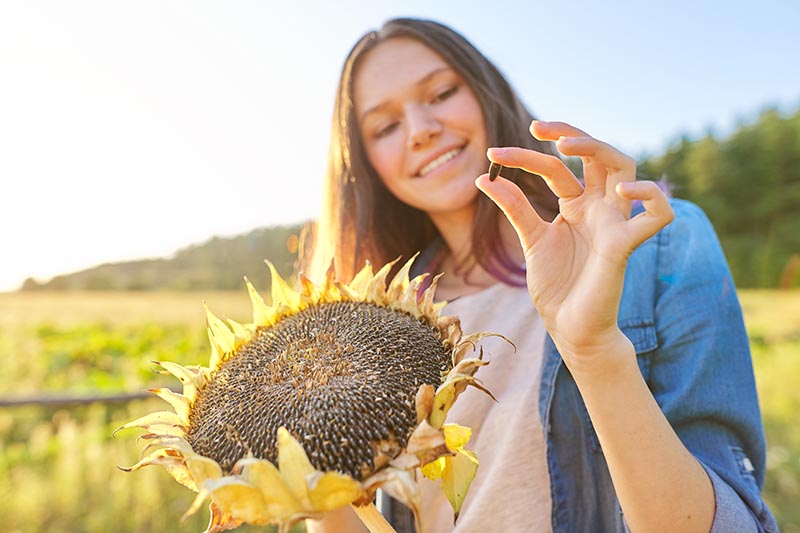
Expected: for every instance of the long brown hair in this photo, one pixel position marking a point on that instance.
(361, 220)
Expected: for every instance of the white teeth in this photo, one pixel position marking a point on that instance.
(441, 160)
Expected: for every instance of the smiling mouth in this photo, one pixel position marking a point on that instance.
(439, 161)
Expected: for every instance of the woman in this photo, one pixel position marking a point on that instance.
(630, 400)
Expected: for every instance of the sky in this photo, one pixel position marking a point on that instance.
(133, 129)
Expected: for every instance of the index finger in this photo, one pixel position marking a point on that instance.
(551, 131)
(555, 173)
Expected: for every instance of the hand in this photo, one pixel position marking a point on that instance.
(576, 263)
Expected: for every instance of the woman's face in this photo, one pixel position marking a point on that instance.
(422, 126)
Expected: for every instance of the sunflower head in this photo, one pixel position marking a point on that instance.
(331, 392)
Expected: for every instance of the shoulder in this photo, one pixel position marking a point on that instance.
(691, 227)
(683, 281)
(690, 224)
(682, 266)
(689, 249)
(687, 246)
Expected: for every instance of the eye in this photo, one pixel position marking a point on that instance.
(445, 94)
(386, 130)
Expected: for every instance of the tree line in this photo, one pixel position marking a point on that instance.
(747, 182)
(749, 185)
(220, 263)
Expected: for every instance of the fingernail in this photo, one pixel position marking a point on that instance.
(495, 151)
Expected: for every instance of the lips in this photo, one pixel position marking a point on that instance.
(438, 160)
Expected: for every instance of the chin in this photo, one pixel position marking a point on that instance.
(450, 203)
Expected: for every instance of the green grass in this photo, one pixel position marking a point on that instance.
(58, 466)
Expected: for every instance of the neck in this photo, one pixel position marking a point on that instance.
(463, 274)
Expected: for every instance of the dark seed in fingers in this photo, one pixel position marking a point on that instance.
(494, 170)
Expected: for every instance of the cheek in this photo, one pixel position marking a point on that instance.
(470, 117)
(478, 124)
(387, 160)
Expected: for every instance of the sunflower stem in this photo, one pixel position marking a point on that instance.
(373, 519)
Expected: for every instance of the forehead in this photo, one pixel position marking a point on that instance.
(392, 67)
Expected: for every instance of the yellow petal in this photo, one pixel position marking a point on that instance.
(411, 302)
(442, 402)
(179, 402)
(330, 287)
(160, 457)
(332, 490)
(241, 500)
(281, 292)
(202, 495)
(399, 284)
(181, 475)
(240, 333)
(362, 279)
(157, 419)
(475, 382)
(217, 355)
(164, 430)
(458, 473)
(189, 378)
(433, 470)
(173, 452)
(376, 288)
(165, 442)
(456, 436)
(310, 291)
(427, 304)
(471, 341)
(221, 520)
(263, 315)
(219, 333)
(174, 465)
(294, 466)
(278, 499)
(203, 468)
(448, 391)
(468, 366)
(346, 293)
(451, 327)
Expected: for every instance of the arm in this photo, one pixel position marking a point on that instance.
(576, 266)
(702, 375)
(660, 485)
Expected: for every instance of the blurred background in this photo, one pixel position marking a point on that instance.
(153, 153)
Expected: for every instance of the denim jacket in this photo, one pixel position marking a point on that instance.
(680, 310)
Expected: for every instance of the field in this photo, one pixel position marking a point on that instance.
(58, 464)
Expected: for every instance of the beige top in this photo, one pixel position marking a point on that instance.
(511, 491)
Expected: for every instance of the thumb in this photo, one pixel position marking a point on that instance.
(657, 214)
(516, 207)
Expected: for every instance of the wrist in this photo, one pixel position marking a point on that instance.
(607, 357)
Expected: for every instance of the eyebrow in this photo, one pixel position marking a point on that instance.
(422, 81)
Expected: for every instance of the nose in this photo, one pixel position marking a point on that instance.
(422, 126)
